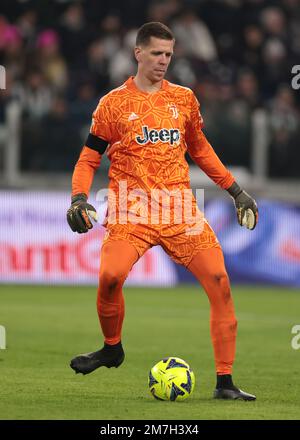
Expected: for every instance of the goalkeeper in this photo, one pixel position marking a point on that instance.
(146, 126)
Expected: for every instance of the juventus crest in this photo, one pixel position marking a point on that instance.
(173, 109)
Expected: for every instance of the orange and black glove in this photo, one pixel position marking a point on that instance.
(246, 207)
(80, 214)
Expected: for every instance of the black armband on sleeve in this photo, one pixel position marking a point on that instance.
(96, 143)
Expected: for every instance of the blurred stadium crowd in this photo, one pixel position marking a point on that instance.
(61, 56)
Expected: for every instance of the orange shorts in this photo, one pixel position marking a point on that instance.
(180, 245)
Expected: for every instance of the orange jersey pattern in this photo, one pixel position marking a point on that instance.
(179, 245)
(149, 134)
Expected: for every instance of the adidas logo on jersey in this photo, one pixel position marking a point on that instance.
(171, 135)
(132, 117)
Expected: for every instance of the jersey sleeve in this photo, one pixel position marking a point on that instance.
(90, 157)
(83, 175)
(202, 152)
(196, 120)
(101, 121)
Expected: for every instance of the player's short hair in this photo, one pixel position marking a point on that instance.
(153, 29)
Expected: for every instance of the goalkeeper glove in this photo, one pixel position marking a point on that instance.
(80, 214)
(247, 212)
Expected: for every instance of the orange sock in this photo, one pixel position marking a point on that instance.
(117, 259)
(209, 269)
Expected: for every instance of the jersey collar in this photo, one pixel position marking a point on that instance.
(132, 86)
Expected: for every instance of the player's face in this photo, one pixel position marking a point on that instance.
(154, 59)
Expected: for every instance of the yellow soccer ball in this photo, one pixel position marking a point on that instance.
(171, 379)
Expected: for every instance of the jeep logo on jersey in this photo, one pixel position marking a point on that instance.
(164, 135)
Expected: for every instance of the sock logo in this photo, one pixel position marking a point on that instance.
(165, 135)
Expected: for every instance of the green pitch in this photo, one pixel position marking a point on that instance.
(47, 326)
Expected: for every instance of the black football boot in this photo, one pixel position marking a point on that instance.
(226, 390)
(109, 356)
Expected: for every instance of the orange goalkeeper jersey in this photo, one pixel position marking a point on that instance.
(148, 135)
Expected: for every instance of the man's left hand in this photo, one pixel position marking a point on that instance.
(246, 207)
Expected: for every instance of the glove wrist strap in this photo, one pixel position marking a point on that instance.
(234, 190)
(78, 197)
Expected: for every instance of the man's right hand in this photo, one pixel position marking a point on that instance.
(80, 214)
